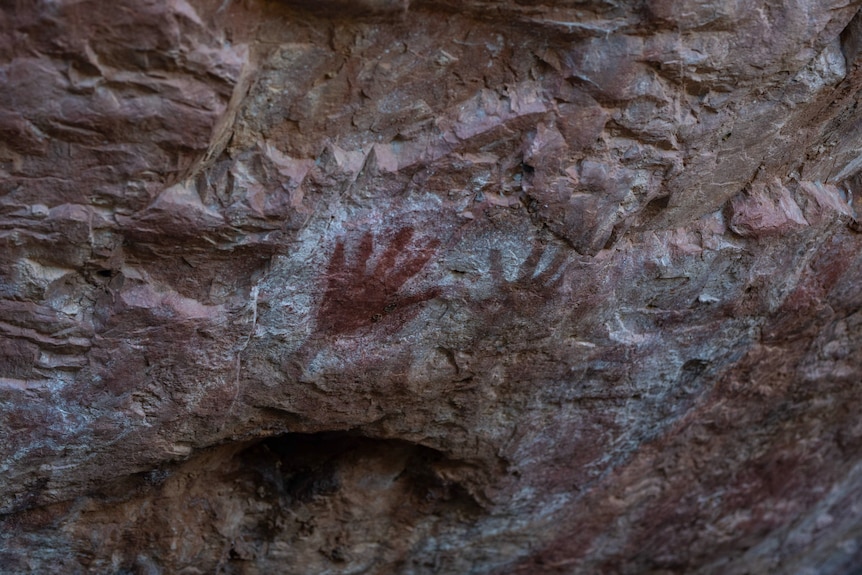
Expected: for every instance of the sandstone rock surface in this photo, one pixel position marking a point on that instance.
(430, 287)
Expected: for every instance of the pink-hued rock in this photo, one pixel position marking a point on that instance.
(430, 287)
(769, 208)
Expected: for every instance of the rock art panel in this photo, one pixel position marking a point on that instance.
(429, 287)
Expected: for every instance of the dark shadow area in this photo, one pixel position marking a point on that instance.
(294, 503)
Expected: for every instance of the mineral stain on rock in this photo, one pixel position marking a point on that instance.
(430, 287)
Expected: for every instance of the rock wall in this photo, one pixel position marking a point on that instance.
(430, 287)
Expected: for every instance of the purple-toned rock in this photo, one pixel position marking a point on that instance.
(430, 287)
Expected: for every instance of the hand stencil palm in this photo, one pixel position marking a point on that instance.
(530, 290)
(359, 294)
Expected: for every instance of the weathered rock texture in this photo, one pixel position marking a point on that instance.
(439, 287)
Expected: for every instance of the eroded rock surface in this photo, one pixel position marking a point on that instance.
(430, 287)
